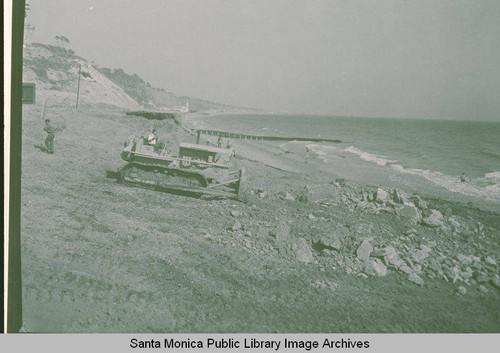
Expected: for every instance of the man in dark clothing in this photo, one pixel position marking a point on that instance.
(51, 133)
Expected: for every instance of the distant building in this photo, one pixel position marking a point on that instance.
(181, 108)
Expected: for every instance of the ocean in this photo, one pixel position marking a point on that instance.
(423, 155)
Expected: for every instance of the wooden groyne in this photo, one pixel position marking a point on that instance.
(152, 115)
(261, 138)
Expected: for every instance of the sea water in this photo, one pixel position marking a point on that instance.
(453, 158)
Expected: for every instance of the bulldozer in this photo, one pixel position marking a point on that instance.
(196, 170)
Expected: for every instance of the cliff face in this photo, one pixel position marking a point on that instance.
(55, 71)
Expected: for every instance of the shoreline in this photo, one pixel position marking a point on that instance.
(345, 161)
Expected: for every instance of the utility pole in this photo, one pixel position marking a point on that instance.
(78, 89)
(42, 113)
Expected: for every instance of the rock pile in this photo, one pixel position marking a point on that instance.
(381, 231)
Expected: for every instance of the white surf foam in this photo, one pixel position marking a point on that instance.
(324, 152)
(493, 177)
(487, 187)
(380, 160)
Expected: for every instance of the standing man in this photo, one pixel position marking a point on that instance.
(51, 133)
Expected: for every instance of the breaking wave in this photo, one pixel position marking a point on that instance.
(323, 152)
(490, 153)
(380, 160)
(487, 187)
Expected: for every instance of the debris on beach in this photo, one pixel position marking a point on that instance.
(415, 240)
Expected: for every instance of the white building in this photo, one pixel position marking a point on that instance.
(181, 108)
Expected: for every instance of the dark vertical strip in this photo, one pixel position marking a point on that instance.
(14, 300)
(3, 264)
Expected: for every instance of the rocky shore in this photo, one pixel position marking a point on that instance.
(380, 232)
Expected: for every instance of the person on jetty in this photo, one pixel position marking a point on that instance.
(219, 142)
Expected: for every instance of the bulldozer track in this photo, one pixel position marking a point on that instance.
(159, 178)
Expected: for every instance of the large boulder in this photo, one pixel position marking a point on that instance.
(320, 192)
(281, 235)
(419, 202)
(302, 251)
(411, 213)
(381, 196)
(399, 196)
(391, 257)
(434, 219)
(421, 254)
(333, 239)
(413, 277)
(362, 229)
(330, 241)
(364, 250)
(375, 267)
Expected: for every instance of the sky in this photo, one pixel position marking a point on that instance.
(389, 58)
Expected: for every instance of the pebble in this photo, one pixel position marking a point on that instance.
(496, 281)
(411, 231)
(236, 226)
(466, 260)
(483, 289)
(490, 261)
(462, 290)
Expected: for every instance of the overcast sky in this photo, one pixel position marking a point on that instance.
(429, 59)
